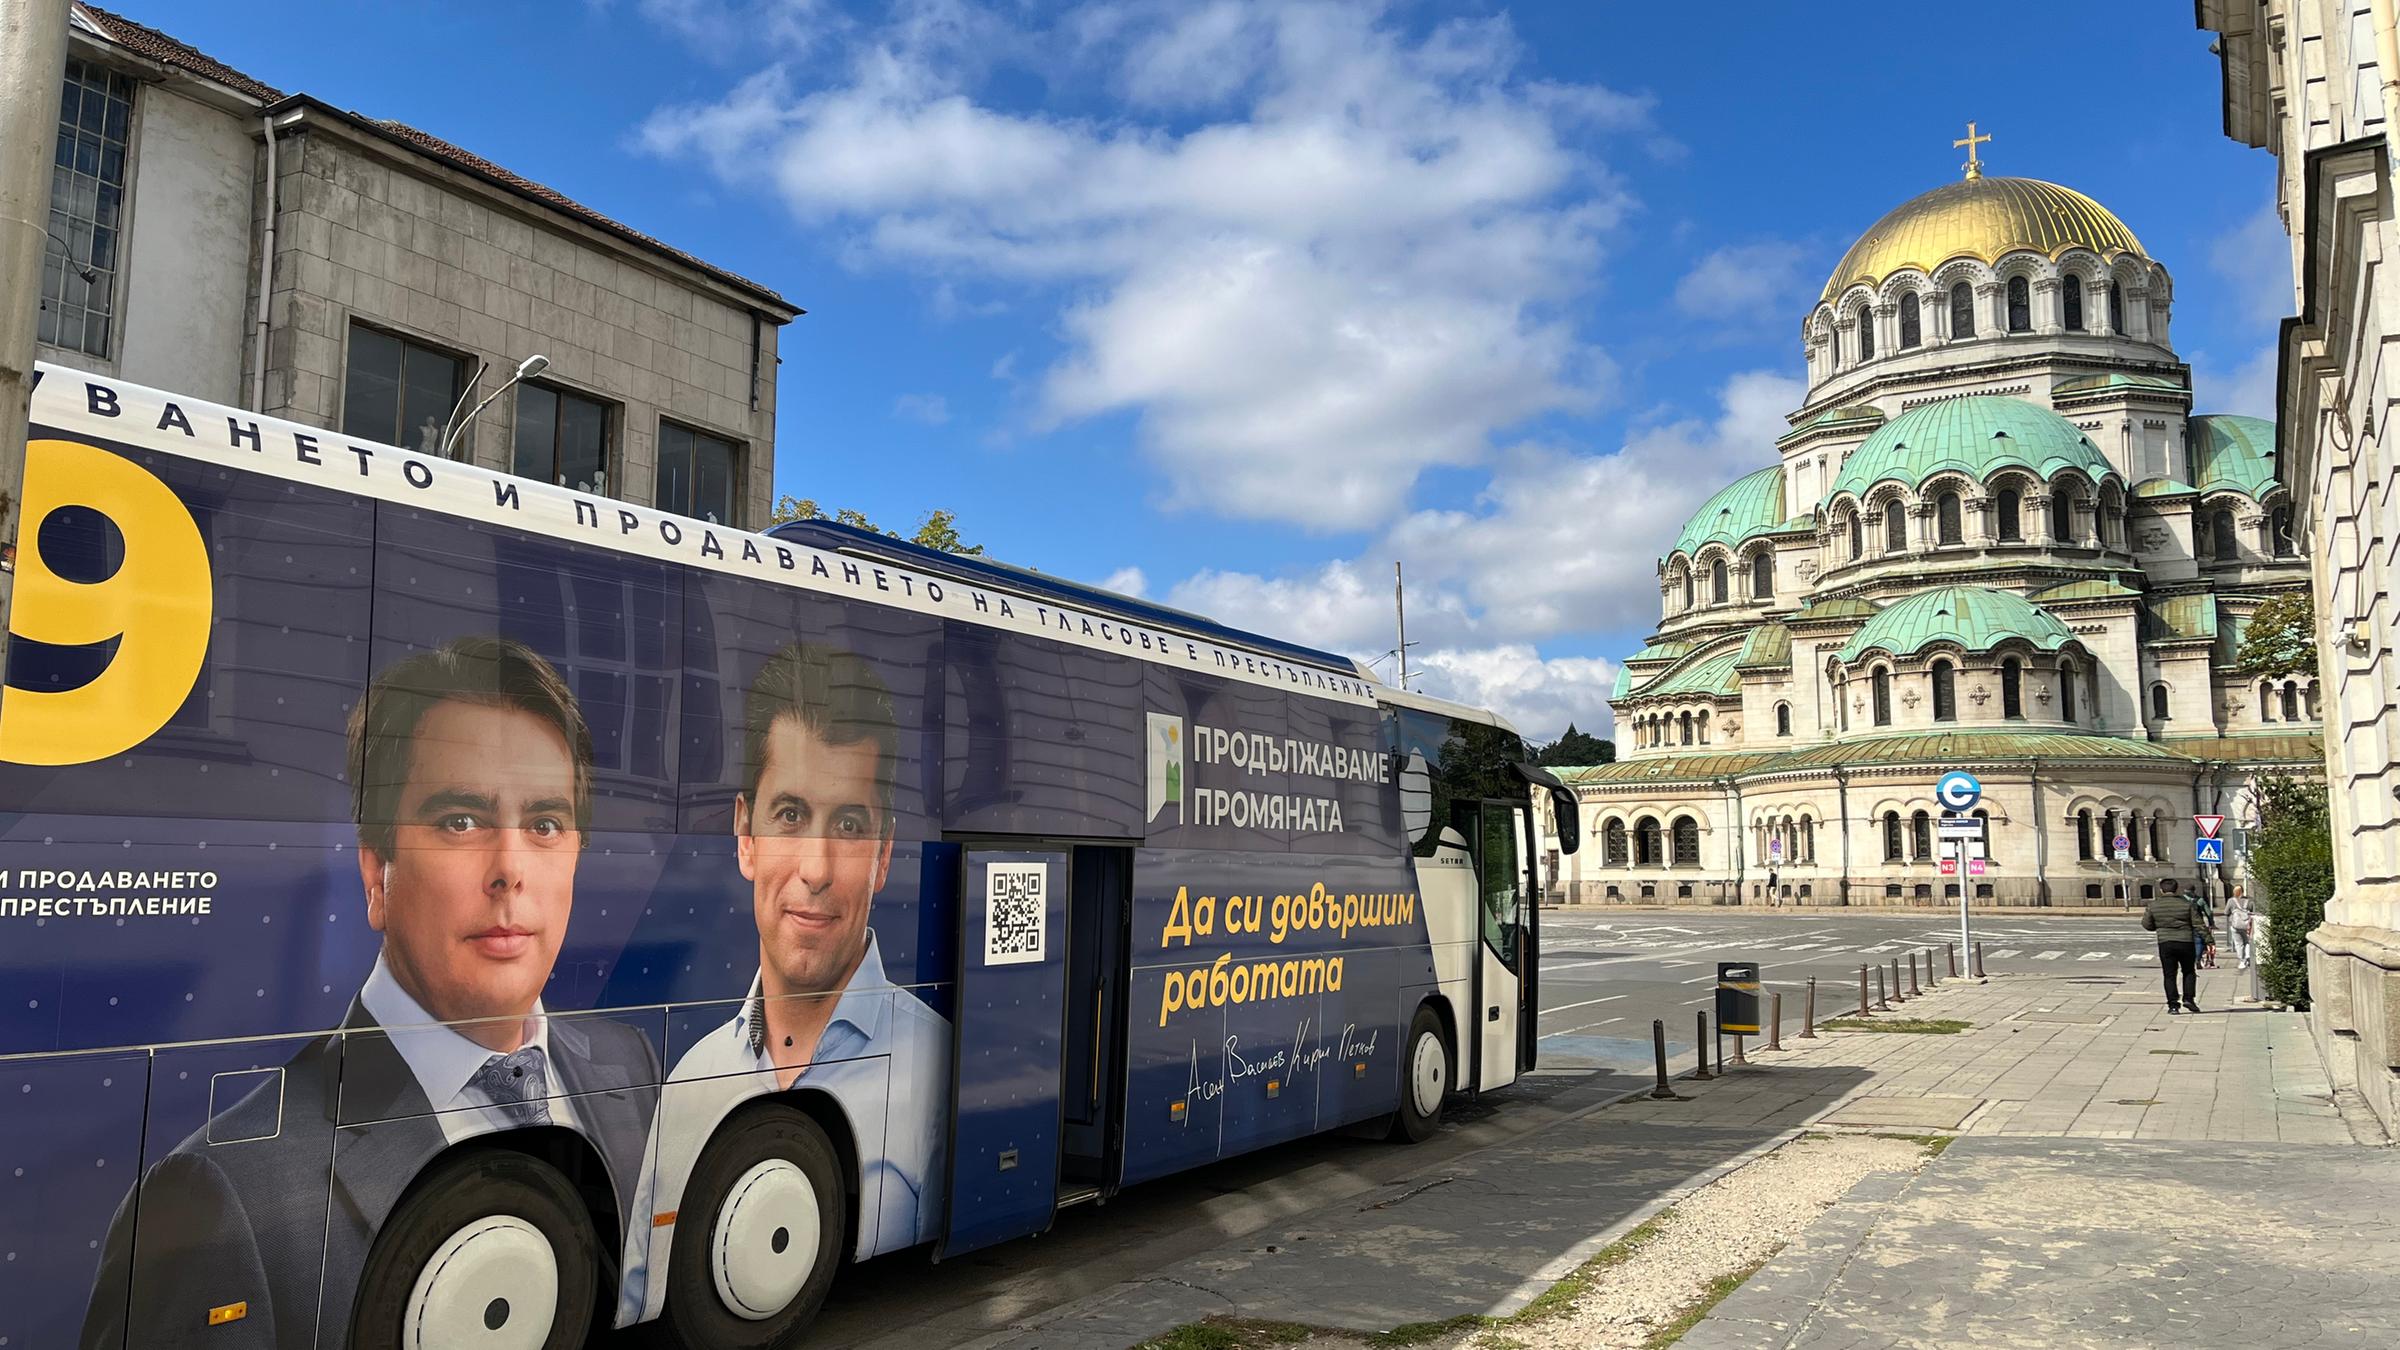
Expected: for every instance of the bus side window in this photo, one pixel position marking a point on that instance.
(1500, 875)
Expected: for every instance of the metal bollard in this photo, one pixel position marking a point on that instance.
(1701, 1074)
(1883, 998)
(1913, 990)
(1933, 978)
(1863, 1009)
(1774, 1021)
(1658, 1050)
(1951, 949)
(1979, 960)
(1738, 1057)
(1808, 1014)
(1897, 996)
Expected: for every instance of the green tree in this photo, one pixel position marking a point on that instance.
(2281, 638)
(2291, 855)
(1575, 747)
(936, 529)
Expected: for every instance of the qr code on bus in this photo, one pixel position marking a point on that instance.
(1017, 917)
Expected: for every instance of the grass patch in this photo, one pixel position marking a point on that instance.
(1229, 1333)
(1718, 1290)
(1419, 1333)
(1918, 1026)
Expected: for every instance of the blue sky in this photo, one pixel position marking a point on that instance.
(1234, 303)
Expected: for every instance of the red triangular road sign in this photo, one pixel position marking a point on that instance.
(2209, 825)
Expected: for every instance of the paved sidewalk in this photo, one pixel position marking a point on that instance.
(2087, 1112)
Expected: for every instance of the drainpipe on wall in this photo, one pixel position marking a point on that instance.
(2041, 838)
(2387, 60)
(266, 281)
(1841, 779)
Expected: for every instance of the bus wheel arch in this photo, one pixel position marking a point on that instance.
(1428, 1071)
(483, 1225)
(764, 1223)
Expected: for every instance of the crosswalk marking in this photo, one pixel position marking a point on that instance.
(2048, 956)
(2093, 956)
(2143, 956)
(2009, 951)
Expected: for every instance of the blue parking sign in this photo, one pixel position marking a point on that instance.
(2209, 850)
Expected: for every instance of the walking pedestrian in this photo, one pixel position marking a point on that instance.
(1774, 897)
(2204, 943)
(2172, 915)
(2241, 928)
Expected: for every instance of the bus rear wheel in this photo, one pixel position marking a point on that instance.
(1425, 1084)
(492, 1250)
(759, 1233)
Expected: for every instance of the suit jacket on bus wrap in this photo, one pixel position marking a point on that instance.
(226, 1223)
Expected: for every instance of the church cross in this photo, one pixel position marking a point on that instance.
(1974, 166)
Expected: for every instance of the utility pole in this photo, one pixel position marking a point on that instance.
(1400, 611)
(33, 66)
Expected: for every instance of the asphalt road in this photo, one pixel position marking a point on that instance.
(1607, 973)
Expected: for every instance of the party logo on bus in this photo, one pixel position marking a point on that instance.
(1166, 765)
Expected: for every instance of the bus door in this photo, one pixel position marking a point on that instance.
(1501, 884)
(1099, 927)
(1007, 1046)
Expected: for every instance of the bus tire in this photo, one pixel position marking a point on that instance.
(1426, 1075)
(760, 1230)
(490, 1250)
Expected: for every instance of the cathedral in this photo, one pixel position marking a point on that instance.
(1996, 538)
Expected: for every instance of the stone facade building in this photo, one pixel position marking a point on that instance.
(1996, 538)
(2315, 82)
(219, 237)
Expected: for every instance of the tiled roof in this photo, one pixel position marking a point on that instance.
(1769, 646)
(2089, 589)
(1974, 436)
(2162, 487)
(1663, 651)
(2258, 748)
(1865, 413)
(1750, 505)
(2183, 617)
(1931, 748)
(1975, 617)
(147, 41)
(2093, 384)
(2233, 454)
(1837, 607)
(1709, 676)
(1671, 768)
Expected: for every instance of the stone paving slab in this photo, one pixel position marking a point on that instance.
(1928, 1113)
(2086, 1243)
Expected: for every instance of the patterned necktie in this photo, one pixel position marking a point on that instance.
(517, 1085)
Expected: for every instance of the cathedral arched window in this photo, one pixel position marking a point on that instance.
(1891, 837)
(2071, 292)
(2158, 702)
(1895, 527)
(2308, 699)
(1646, 844)
(1866, 334)
(2011, 509)
(1716, 582)
(2062, 518)
(1702, 721)
(1946, 519)
(2020, 306)
(2012, 688)
(1912, 329)
(1945, 692)
(1783, 719)
(1858, 541)
(2083, 834)
(1612, 844)
(2116, 307)
(2279, 531)
(1808, 839)
(1920, 836)
(1880, 685)
(1687, 590)
(1686, 723)
(1833, 348)
(2290, 706)
(1962, 311)
(1687, 842)
(1762, 576)
(2266, 700)
(2223, 541)
(2066, 692)
(2157, 829)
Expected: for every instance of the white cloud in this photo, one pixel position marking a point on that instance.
(2256, 256)
(930, 409)
(2247, 388)
(1539, 697)
(1746, 285)
(1356, 263)
(1126, 581)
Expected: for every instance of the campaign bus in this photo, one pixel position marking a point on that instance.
(440, 909)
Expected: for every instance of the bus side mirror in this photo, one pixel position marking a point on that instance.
(1565, 821)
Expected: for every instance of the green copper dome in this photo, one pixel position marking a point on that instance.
(1749, 505)
(1975, 617)
(2234, 453)
(1974, 436)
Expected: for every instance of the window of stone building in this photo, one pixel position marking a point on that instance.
(2066, 692)
(1962, 311)
(2010, 506)
(2279, 532)
(2083, 834)
(2158, 829)
(1688, 595)
(1612, 843)
(2224, 541)
(401, 392)
(1866, 334)
(2266, 700)
(2012, 688)
(1716, 582)
(1858, 537)
(2071, 291)
(2308, 698)
(563, 438)
(1647, 850)
(1687, 842)
(2108, 831)
(1945, 692)
(1783, 719)
(2290, 705)
(1808, 839)
(2020, 306)
(1895, 527)
(2062, 518)
(1702, 720)
(87, 210)
(1686, 721)
(2116, 308)
(1912, 327)
(1891, 837)
(1880, 686)
(1762, 576)
(699, 475)
(1920, 836)
(2158, 702)
(1948, 521)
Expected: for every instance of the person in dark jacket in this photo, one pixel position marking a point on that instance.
(2178, 923)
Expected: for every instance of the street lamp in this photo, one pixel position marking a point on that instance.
(526, 370)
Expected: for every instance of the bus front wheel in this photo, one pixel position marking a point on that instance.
(1426, 1082)
(758, 1235)
(492, 1250)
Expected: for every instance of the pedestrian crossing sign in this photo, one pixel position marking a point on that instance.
(2209, 850)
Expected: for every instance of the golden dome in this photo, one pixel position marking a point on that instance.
(1982, 218)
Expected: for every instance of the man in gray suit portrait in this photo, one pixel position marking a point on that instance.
(471, 777)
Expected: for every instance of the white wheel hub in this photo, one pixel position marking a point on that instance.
(493, 1285)
(1426, 1072)
(765, 1240)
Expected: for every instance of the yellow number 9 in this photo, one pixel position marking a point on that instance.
(158, 605)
